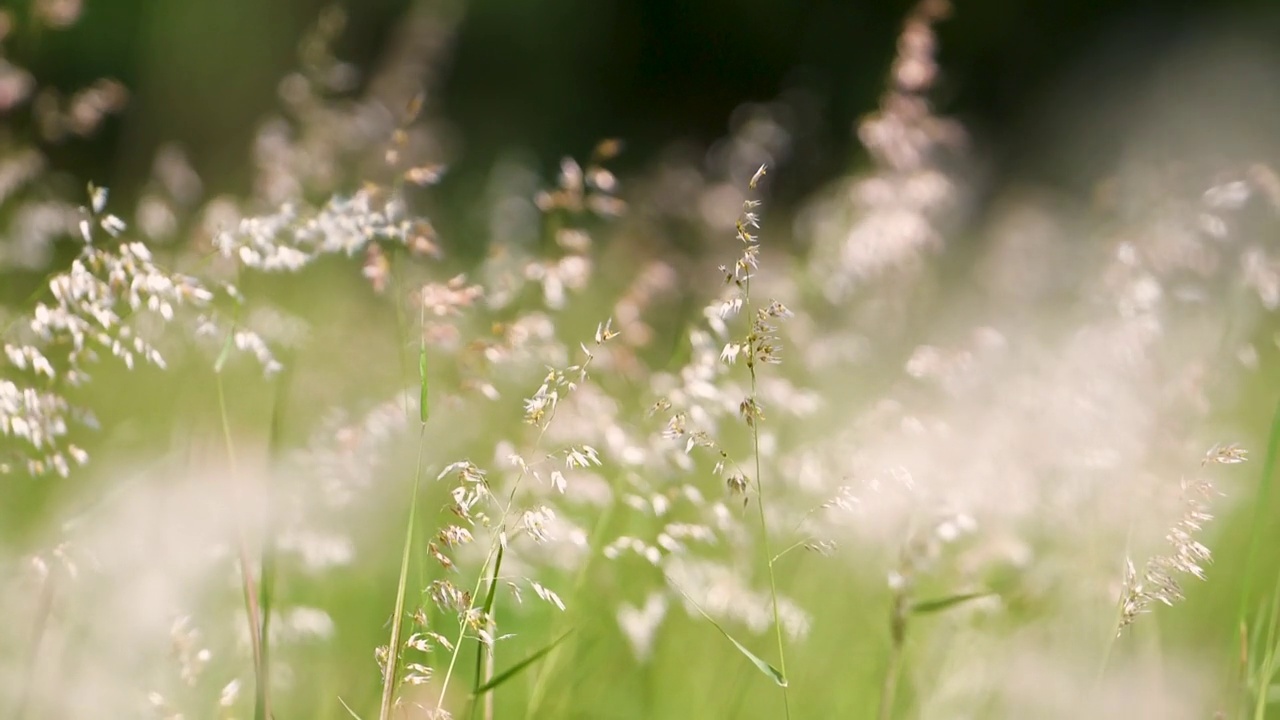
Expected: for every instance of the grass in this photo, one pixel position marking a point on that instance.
(964, 479)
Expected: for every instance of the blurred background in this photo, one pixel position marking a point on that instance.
(539, 82)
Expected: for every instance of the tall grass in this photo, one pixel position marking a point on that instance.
(953, 498)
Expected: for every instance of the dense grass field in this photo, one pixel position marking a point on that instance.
(654, 451)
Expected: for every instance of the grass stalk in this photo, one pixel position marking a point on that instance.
(541, 682)
(261, 693)
(754, 423)
(485, 655)
(1270, 661)
(392, 665)
(764, 541)
(462, 628)
(1262, 501)
(893, 667)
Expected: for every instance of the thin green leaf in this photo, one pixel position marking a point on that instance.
(493, 581)
(520, 666)
(267, 561)
(424, 408)
(1261, 510)
(490, 596)
(221, 362)
(349, 710)
(770, 671)
(945, 603)
(397, 618)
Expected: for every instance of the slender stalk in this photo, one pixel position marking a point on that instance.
(1261, 504)
(484, 652)
(261, 696)
(893, 669)
(764, 524)
(267, 559)
(579, 583)
(462, 628)
(1267, 668)
(1260, 510)
(391, 668)
(494, 556)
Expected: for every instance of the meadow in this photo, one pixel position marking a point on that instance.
(654, 451)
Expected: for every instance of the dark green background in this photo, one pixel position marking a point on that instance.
(550, 78)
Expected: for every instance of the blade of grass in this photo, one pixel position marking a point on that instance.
(579, 584)
(945, 603)
(261, 702)
(763, 666)
(1268, 663)
(267, 561)
(519, 667)
(1260, 508)
(393, 644)
(391, 668)
(350, 712)
(424, 402)
(484, 653)
(1261, 505)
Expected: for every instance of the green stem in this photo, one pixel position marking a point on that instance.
(462, 627)
(898, 636)
(261, 701)
(764, 525)
(391, 668)
(1260, 509)
(484, 652)
(1267, 668)
(579, 583)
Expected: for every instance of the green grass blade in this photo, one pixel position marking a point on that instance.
(945, 603)
(484, 655)
(350, 712)
(248, 585)
(267, 561)
(769, 671)
(224, 354)
(424, 407)
(393, 645)
(1261, 505)
(520, 666)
